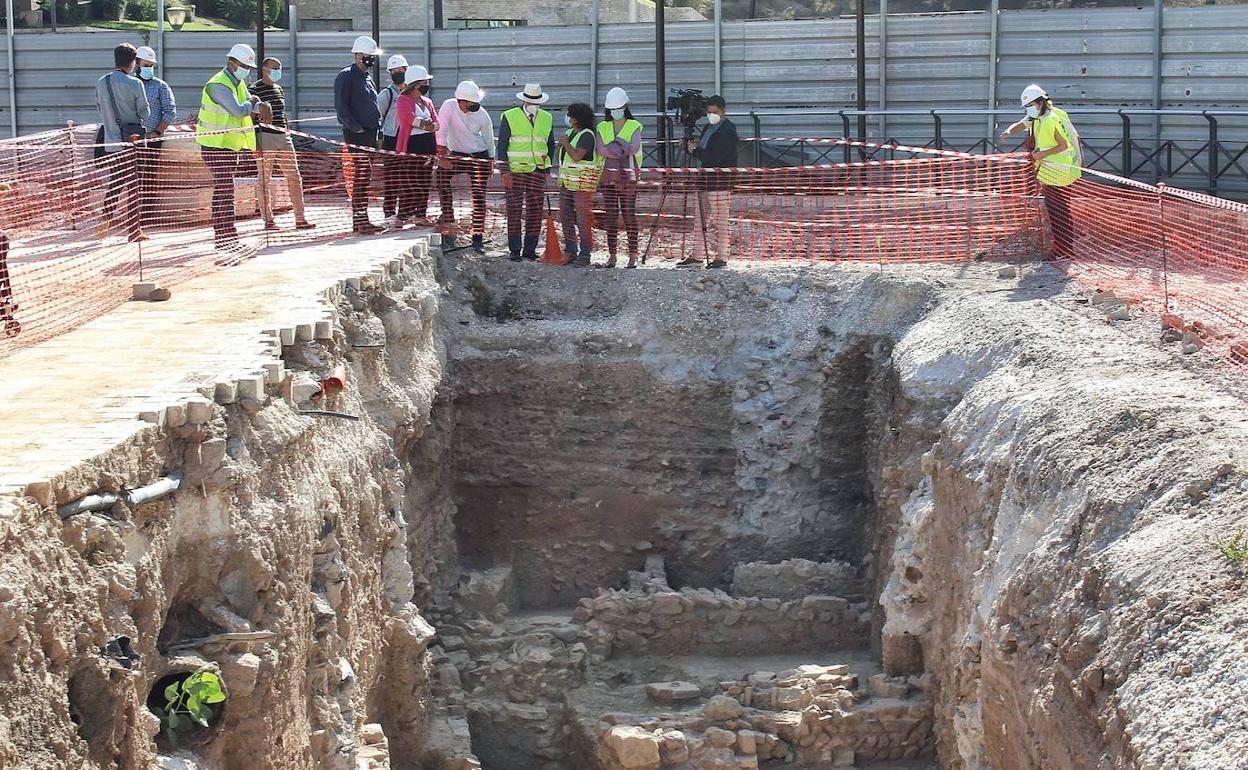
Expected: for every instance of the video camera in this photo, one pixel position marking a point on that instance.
(689, 105)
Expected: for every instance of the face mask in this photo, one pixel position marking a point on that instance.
(713, 118)
(423, 88)
(397, 78)
(147, 73)
(369, 61)
(567, 120)
(473, 107)
(1033, 112)
(275, 75)
(242, 72)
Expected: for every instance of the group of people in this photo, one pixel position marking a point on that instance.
(426, 145)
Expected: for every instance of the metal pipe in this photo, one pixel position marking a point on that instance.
(1126, 144)
(8, 16)
(1213, 153)
(883, 70)
(660, 76)
(860, 42)
(52, 10)
(376, 14)
(1158, 8)
(593, 52)
(292, 21)
(160, 37)
(103, 501)
(428, 36)
(259, 31)
(719, 41)
(994, 14)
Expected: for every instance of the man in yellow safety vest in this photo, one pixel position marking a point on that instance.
(526, 143)
(224, 131)
(1054, 145)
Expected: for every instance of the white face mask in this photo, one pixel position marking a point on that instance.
(713, 118)
(530, 108)
(1033, 112)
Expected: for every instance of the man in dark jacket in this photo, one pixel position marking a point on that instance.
(355, 101)
(715, 149)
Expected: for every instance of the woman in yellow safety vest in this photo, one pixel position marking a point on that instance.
(1054, 146)
(619, 155)
(578, 178)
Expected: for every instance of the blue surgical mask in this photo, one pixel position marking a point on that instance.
(147, 73)
(1033, 112)
(567, 120)
(275, 75)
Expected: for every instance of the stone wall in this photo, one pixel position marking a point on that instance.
(713, 623)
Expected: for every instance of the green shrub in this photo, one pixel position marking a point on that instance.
(1234, 549)
(188, 703)
(243, 12)
(141, 10)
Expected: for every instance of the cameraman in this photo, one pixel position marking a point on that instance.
(715, 149)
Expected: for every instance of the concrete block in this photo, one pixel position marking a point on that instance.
(199, 410)
(175, 415)
(323, 330)
(40, 492)
(305, 332)
(274, 372)
(396, 266)
(225, 392)
(251, 386)
(353, 284)
(287, 336)
(142, 290)
(434, 239)
(421, 249)
(154, 415)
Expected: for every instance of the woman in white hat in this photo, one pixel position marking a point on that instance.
(619, 147)
(415, 135)
(465, 146)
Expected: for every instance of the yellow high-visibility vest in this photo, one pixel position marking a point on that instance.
(213, 118)
(606, 131)
(529, 143)
(1063, 168)
(577, 175)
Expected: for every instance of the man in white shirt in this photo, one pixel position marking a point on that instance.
(465, 146)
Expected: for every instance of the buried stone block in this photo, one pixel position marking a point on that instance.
(672, 692)
(902, 654)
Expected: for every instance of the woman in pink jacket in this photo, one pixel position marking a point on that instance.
(417, 140)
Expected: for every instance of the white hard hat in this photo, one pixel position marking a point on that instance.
(146, 53)
(1032, 93)
(469, 92)
(396, 61)
(616, 98)
(366, 45)
(242, 53)
(415, 74)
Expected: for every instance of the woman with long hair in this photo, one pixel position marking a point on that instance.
(578, 178)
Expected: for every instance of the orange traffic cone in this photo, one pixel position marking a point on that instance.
(554, 252)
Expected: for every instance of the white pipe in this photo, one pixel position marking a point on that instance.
(719, 53)
(8, 15)
(160, 38)
(102, 502)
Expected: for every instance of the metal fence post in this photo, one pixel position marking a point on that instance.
(1126, 143)
(845, 128)
(994, 14)
(937, 134)
(883, 70)
(8, 17)
(160, 36)
(593, 53)
(1213, 152)
(719, 40)
(758, 138)
(292, 21)
(1158, 7)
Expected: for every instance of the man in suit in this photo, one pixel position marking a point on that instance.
(715, 149)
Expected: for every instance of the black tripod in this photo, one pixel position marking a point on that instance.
(682, 152)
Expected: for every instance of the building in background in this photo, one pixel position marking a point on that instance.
(351, 15)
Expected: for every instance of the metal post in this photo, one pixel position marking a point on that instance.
(52, 10)
(994, 14)
(1126, 144)
(1158, 8)
(758, 138)
(259, 31)
(428, 35)
(376, 12)
(883, 70)
(292, 21)
(719, 41)
(8, 17)
(437, 14)
(937, 131)
(860, 42)
(160, 38)
(660, 77)
(593, 53)
(1213, 153)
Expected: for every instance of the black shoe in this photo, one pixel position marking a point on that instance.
(366, 228)
(530, 257)
(516, 258)
(689, 262)
(478, 244)
(716, 263)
